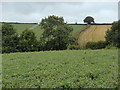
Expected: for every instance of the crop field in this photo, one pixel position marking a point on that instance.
(61, 69)
(93, 33)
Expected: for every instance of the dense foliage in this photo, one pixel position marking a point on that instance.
(113, 35)
(96, 45)
(28, 41)
(56, 36)
(10, 38)
(12, 42)
(56, 33)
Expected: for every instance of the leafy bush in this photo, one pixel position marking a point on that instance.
(10, 39)
(12, 42)
(113, 35)
(73, 47)
(28, 41)
(96, 45)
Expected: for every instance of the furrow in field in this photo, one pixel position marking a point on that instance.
(94, 33)
(100, 32)
(86, 35)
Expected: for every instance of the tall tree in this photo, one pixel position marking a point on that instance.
(56, 33)
(113, 35)
(10, 38)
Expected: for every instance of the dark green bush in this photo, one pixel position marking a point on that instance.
(28, 41)
(96, 45)
(10, 39)
(113, 35)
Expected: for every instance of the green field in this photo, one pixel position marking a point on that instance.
(65, 69)
(21, 27)
(77, 28)
(38, 31)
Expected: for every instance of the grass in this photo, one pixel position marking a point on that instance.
(77, 28)
(61, 69)
(21, 27)
(38, 31)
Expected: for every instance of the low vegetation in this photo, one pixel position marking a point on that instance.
(61, 69)
(96, 45)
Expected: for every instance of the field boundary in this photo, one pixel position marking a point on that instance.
(66, 23)
(17, 23)
(78, 33)
(91, 24)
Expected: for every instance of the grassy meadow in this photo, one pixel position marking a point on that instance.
(20, 27)
(61, 69)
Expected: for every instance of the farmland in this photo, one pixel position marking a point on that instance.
(63, 69)
(94, 33)
(20, 27)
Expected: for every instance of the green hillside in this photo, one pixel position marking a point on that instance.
(77, 28)
(38, 31)
(65, 69)
(21, 27)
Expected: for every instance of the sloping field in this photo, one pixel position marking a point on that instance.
(93, 33)
(20, 27)
(61, 69)
(77, 28)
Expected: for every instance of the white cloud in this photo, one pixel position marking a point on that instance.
(33, 12)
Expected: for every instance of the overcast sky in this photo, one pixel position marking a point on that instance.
(71, 12)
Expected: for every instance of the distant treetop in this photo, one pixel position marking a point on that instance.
(89, 20)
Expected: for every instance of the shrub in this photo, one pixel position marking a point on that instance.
(73, 47)
(28, 41)
(96, 45)
(113, 35)
(10, 39)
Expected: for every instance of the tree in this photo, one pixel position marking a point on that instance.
(56, 33)
(10, 38)
(88, 20)
(28, 41)
(113, 35)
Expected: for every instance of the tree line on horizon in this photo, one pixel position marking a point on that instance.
(56, 36)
